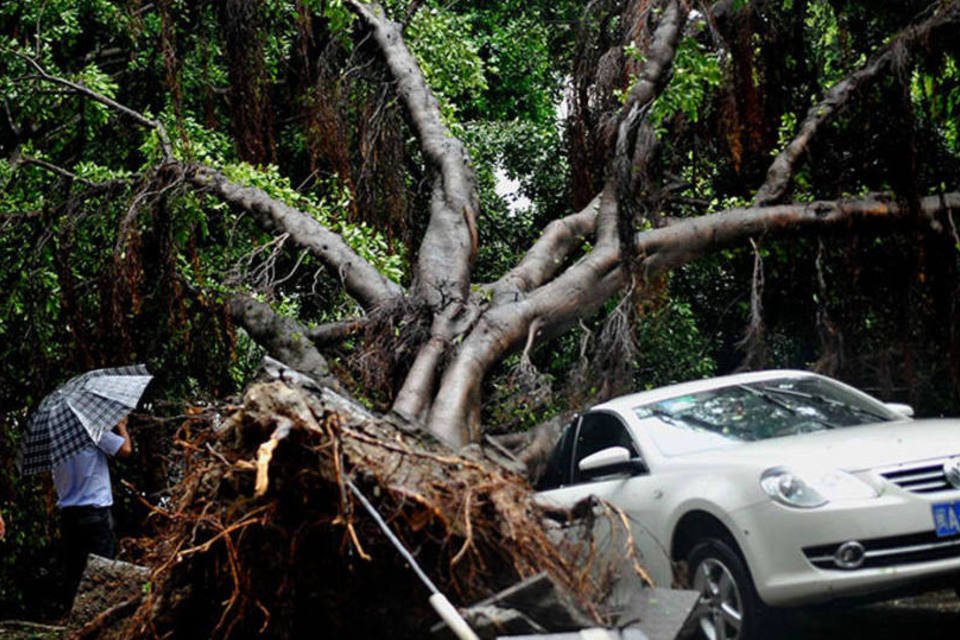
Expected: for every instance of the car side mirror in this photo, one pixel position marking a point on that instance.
(898, 407)
(611, 460)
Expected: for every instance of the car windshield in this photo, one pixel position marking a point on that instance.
(757, 411)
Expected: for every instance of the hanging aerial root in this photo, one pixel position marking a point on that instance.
(754, 342)
(392, 336)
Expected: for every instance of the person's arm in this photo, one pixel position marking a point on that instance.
(127, 447)
(3, 527)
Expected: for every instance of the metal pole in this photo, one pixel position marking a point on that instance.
(438, 601)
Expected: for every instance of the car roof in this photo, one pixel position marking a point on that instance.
(628, 402)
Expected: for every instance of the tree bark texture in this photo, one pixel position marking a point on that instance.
(449, 245)
(283, 338)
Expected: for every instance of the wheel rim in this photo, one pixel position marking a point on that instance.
(720, 609)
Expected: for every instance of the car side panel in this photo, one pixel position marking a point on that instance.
(719, 494)
(639, 498)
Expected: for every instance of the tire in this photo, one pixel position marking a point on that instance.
(729, 607)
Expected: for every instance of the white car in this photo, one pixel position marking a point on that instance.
(770, 489)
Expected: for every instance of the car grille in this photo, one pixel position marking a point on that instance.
(892, 551)
(927, 478)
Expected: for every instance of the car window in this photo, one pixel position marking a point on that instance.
(598, 431)
(557, 472)
(756, 411)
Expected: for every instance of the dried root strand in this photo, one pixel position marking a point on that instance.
(616, 514)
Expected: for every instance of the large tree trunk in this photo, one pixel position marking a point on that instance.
(556, 283)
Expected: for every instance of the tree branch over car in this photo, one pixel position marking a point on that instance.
(569, 273)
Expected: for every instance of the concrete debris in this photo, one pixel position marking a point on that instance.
(538, 607)
(105, 586)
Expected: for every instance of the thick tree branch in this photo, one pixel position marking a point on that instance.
(361, 280)
(449, 245)
(282, 337)
(333, 333)
(559, 240)
(781, 171)
(414, 397)
(669, 247)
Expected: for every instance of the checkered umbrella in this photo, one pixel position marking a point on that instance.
(78, 413)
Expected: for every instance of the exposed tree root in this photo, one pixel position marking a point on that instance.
(263, 538)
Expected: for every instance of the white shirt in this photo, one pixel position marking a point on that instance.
(83, 480)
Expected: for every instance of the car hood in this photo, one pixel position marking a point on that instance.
(849, 448)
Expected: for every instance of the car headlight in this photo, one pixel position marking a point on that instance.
(810, 488)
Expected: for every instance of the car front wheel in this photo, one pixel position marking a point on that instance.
(729, 608)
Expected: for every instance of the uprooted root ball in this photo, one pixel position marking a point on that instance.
(262, 537)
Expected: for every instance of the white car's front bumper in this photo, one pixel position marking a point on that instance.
(789, 551)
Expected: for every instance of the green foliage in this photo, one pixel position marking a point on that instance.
(785, 132)
(821, 21)
(672, 347)
(523, 82)
(493, 61)
(494, 68)
(91, 76)
(449, 57)
(833, 57)
(530, 154)
(192, 142)
(696, 73)
(936, 95)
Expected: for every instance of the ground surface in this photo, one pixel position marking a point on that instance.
(934, 616)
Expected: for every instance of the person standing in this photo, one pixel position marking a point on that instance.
(85, 499)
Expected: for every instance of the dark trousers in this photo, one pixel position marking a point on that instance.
(84, 530)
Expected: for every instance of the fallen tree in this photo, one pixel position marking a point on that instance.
(263, 538)
(262, 525)
(458, 330)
